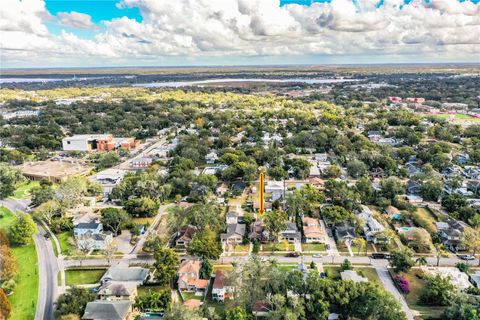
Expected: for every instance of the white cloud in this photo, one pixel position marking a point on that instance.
(76, 20)
(201, 29)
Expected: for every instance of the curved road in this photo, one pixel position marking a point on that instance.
(47, 265)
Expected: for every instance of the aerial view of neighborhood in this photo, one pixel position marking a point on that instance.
(217, 190)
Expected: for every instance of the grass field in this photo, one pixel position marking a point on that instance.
(332, 272)
(316, 247)
(426, 219)
(241, 248)
(369, 273)
(143, 221)
(277, 247)
(24, 297)
(24, 189)
(83, 276)
(458, 117)
(6, 218)
(144, 289)
(190, 295)
(65, 244)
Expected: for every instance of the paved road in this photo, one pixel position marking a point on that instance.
(47, 271)
(390, 287)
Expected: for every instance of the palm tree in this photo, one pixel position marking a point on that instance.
(439, 252)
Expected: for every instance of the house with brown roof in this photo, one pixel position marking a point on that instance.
(222, 289)
(189, 274)
(185, 235)
(258, 232)
(312, 230)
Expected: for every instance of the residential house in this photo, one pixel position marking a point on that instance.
(258, 232)
(377, 173)
(222, 189)
(314, 171)
(185, 235)
(475, 279)
(350, 275)
(412, 199)
(474, 186)
(451, 236)
(291, 233)
(412, 169)
(188, 272)
(275, 188)
(234, 235)
(393, 213)
(140, 163)
(211, 158)
(94, 241)
(111, 310)
(108, 179)
(462, 159)
(413, 187)
(232, 217)
(261, 308)
(472, 172)
(87, 227)
(312, 230)
(320, 157)
(222, 289)
(372, 226)
(344, 232)
(118, 290)
(121, 272)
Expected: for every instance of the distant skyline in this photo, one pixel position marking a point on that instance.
(78, 33)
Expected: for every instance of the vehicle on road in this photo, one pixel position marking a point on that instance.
(377, 255)
(466, 257)
(317, 255)
(327, 246)
(293, 255)
(46, 236)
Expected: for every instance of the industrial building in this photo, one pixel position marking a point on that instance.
(99, 142)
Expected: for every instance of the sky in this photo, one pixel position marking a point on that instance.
(104, 33)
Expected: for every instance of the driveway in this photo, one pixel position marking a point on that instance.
(390, 287)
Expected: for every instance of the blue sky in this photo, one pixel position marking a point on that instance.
(53, 33)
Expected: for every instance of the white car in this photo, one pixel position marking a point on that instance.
(317, 255)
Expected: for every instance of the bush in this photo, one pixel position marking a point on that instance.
(462, 266)
(402, 283)
(346, 265)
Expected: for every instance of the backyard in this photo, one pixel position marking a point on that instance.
(64, 239)
(23, 190)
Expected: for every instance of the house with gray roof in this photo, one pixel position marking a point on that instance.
(291, 233)
(234, 234)
(123, 273)
(118, 290)
(107, 310)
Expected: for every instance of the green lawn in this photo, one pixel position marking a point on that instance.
(144, 289)
(6, 218)
(23, 190)
(241, 248)
(76, 277)
(459, 117)
(144, 220)
(369, 273)
(65, 244)
(316, 247)
(332, 272)
(24, 298)
(190, 295)
(278, 247)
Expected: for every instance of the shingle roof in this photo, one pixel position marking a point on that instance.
(115, 288)
(107, 310)
(122, 273)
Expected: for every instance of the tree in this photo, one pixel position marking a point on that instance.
(471, 240)
(48, 210)
(357, 168)
(453, 202)
(438, 290)
(402, 260)
(206, 269)
(73, 301)
(462, 308)
(166, 263)
(10, 178)
(5, 307)
(42, 194)
(205, 245)
(159, 300)
(360, 243)
(333, 171)
(8, 264)
(336, 214)
(22, 230)
(70, 192)
(238, 313)
(110, 250)
(365, 190)
(275, 222)
(346, 265)
(141, 207)
(440, 251)
(421, 261)
(431, 190)
(391, 187)
(113, 219)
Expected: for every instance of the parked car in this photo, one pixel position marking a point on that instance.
(46, 236)
(317, 255)
(466, 257)
(377, 255)
(293, 255)
(327, 246)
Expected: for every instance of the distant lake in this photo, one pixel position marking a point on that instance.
(205, 82)
(38, 80)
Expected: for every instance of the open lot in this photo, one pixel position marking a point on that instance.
(77, 277)
(23, 190)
